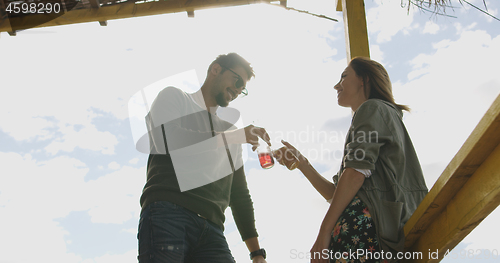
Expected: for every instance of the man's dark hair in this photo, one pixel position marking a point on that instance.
(232, 60)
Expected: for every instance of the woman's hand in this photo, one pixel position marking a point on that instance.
(319, 251)
(291, 149)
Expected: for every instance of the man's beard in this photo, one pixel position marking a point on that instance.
(221, 101)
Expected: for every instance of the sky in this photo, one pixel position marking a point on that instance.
(71, 175)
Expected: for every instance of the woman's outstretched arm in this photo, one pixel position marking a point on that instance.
(320, 183)
(349, 184)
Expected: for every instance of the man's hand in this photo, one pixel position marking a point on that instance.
(252, 134)
(258, 259)
(253, 245)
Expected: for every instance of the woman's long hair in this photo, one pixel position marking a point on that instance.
(376, 80)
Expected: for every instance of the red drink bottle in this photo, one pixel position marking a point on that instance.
(265, 157)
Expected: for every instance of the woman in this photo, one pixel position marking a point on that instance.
(380, 181)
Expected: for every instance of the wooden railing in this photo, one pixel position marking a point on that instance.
(467, 191)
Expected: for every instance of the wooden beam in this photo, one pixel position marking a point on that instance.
(356, 34)
(119, 11)
(8, 28)
(96, 5)
(467, 191)
(338, 4)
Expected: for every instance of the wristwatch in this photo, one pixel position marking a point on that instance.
(260, 252)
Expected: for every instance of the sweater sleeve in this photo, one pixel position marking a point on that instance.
(368, 133)
(242, 206)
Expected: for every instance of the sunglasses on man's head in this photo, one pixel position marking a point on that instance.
(239, 82)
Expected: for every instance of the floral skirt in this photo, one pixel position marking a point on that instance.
(354, 238)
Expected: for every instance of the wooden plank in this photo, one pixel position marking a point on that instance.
(356, 34)
(475, 200)
(8, 28)
(119, 11)
(465, 193)
(96, 5)
(338, 4)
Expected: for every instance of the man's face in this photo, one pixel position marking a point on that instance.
(229, 84)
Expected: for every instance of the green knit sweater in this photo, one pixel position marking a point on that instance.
(188, 124)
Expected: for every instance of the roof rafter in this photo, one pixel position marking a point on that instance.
(118, 10)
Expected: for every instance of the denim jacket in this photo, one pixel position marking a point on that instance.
(377, 140)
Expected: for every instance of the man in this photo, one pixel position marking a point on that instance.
(195, 171)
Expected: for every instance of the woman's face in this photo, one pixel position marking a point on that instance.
(350, 92)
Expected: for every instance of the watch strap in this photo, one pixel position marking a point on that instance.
(260, 252)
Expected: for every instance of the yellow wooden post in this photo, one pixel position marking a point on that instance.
(356, 34)
(467, 191)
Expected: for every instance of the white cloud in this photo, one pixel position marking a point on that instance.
(493, 12)
(128, 257)
(487, 6)
(130, 230)
(113, 198)
(54, 185)
(64, 130)
(431, 28)
(114, 165)
(134, 161)
(450, 90)
(47, 235)
(88, 138)
(440, 45)
(33, 194)
(22, 126)
(376, 53)
(461, 29)
(36, 193)
(382, 19)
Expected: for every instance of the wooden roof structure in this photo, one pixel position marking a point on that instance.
(16, 15)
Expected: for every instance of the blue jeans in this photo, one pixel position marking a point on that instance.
(169, 233)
